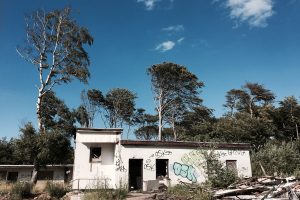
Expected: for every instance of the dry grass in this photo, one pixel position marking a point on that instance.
(5, 187)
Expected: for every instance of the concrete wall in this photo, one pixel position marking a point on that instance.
(24, 174)
(93, 174)
(185, 164)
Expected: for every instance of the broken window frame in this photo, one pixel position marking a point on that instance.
(95, 154)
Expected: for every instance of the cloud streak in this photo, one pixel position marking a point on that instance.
(165, 46)
(151, 4)
(148, 3)
(176, 28)
(253, 12)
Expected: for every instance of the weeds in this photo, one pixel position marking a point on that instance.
(56, 190)
(195, 192)
(100, 192)
(20, 190)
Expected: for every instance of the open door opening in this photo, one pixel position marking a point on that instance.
(135, 174)
(162, 170)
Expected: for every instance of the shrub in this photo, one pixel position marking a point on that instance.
(218, 174)
(56, 190)
(20, 190)
(276, 158)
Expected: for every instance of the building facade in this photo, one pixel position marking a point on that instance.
(57, 173)
(102, 159)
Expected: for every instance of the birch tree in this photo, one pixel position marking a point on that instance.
(170, 83)
(55, 46)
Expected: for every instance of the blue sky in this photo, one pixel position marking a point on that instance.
(224, 42)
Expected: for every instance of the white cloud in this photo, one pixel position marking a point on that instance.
(176, 28)
(151, 4)
(254, 12)
(148, 3)
(165, 46)
(179, 41)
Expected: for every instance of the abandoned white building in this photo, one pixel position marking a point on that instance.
(58, 173)
(101, 157)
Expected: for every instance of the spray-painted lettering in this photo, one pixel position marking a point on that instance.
(185, 171)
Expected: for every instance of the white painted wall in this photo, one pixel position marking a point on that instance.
(93, 174)
(185, 164)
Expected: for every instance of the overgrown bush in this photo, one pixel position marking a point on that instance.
(196, 192)
(218, 174)
(56, 190)
(276, 157)
(20, 190)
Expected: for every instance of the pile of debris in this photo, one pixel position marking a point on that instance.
(263, 188)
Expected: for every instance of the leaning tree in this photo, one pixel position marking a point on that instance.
(55, 46)
(175, 90)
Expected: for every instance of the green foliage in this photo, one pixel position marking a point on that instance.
(277, 157)
(42, 149)
(196, 124)
(242, 128)
(56, 115)
(196, 192)
(51, 145)
(20, 190)
(218, 174)
(56, 190)
(6, 151)
(175, 90)
(26, 146)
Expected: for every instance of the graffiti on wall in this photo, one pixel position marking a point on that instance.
(185, 171)
(150, 161)
(194, 158)
(119, 163)
(231, 153)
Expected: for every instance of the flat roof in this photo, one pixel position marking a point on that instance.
(243, 146)
(31, 166)
(100, 130)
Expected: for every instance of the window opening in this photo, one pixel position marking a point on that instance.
(231, 165)
(162, 168)
(95, 154)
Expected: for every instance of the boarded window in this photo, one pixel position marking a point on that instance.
(3, 175)
(231, 165)
(95, 154)
(12, 176)
(45, 175)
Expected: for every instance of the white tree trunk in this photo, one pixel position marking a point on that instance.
(159, 124)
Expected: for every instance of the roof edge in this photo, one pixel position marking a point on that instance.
(100, 130)
(244, 146)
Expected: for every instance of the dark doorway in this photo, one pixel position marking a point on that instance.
(135, 174)
(12, 176)
(162, 168)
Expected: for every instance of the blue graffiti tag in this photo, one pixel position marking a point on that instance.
(185, 171)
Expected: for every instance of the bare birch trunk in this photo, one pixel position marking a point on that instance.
(159, 124)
